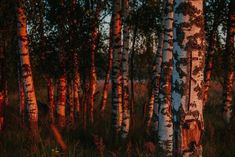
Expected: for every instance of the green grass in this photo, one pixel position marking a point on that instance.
(218, 140)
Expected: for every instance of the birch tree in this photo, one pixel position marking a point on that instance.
(107, 77)
(165, 125)
(125, 71)
(229, 64)
(116, 74)
(187, 95)
(26, 70)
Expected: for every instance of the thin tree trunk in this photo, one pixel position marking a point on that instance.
(107, 77)
(77, 84)
(61, 101)
(211, 49)
(229, 65)
(188, 55)
(93, 78)
(165, 125)
(71, 103)
(27, 72)
(125, 72)
(116, 69)
(51, 99)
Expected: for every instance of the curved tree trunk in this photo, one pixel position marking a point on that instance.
(26, 71)
(116, 69)
(229, 65)
(188, 54)
(165, 125)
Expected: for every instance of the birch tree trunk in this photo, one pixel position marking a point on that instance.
(93, 78)
(229, 65)
(188, 55)
(61, 101)
(107, 77)
(51, 99)
(77, 84)
(26, 71)
(71, 103)
(116, 68)
(61, 121)
(165, 125)
(21, 98)
(125, 71)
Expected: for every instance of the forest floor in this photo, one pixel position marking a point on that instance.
(218, 139)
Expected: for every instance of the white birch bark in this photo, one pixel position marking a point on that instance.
(116, 75)
(165, 127)
(125, 71)
(188, 52)
(30, 97)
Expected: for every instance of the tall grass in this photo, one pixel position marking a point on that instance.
(218, 139)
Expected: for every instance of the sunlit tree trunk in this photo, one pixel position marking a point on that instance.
(26, 71)
(165, 125)
(107, 77)
(61, 101)
(116, 68)
(62, 84)
(93, 78)
(76, 60)
(125, 71)
(71, 103)
(229, 65)
(188, 84)
(51, 99)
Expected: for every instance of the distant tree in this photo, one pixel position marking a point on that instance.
(214, 14)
